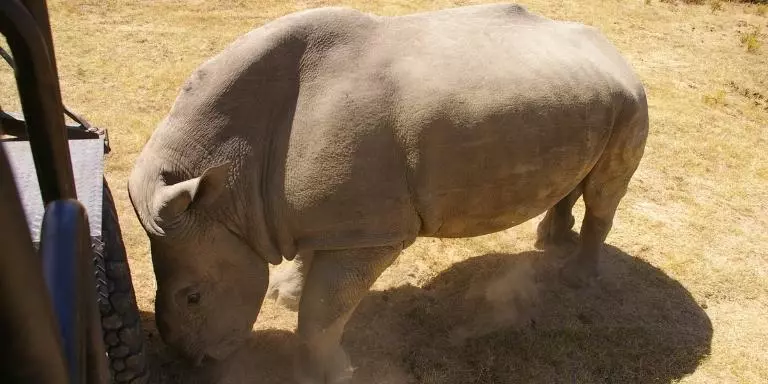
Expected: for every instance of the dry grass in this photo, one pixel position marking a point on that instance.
(751, 40)
(716, 5)
(685, 292)
(762, 9)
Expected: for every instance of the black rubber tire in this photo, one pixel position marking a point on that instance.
(120, 320)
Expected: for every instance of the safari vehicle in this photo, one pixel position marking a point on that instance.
(68, 312)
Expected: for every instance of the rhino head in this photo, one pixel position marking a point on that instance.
(210, 282)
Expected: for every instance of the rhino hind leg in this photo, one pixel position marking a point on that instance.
(556, 229)
(336, 283)
(603, 189)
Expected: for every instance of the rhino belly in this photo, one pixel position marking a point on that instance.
(483, 180)
(476, 211)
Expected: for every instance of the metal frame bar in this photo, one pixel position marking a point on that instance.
(84, 126)
(40, 96)
(39, 11)
(14, 125)
(66, 264)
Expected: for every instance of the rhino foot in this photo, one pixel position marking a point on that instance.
(555, 230)
(565, 239)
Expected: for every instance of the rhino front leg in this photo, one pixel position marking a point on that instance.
(336, 283)
(287, 281)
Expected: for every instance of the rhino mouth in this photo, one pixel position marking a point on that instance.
(213, 354)
(198, 355)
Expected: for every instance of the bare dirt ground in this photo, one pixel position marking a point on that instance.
(684, 292)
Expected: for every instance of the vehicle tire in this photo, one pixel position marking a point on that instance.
(120, 320)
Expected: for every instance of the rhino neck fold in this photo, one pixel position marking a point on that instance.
(238, 106)
(242, 208)
(248, 125)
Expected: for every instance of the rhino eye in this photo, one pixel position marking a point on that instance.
(193, 298)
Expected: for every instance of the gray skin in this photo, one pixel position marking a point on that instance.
(342, 137)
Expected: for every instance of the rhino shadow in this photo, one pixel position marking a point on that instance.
(501, 318)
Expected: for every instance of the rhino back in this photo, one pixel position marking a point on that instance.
(502, 114)
(450, 123)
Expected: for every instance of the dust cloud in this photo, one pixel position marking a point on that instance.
(505, 301)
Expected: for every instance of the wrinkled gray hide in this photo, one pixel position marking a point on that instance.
(343, 136)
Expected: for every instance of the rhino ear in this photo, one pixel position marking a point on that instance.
(173, 200)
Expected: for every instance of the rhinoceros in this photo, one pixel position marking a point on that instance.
(337, 138)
